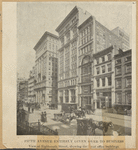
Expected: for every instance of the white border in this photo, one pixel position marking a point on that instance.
(10, 139)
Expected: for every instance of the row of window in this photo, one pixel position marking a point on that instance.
(51, 39)
(127, 100)
(67, 37)
(68, 83)
(86, 31)
(86, 49)
(127, 69)
(104, 58)
(84, 40)
(53, 47)
(128, 83)
(126, 59)
(102, 84)
(103, 69)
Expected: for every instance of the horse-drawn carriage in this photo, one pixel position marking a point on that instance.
(87, 126)
(70, 112)
(52, 106)
(64, 117)
(67, 114)
(89, 109)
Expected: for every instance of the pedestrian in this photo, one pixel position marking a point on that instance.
(32, 110)
(42, 117)
(45, 116)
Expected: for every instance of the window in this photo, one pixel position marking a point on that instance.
(86, 89)
(103, 69)
(128, 82)
(109, 81)
(49, 45)
(109, 67)
(97, 61)
(109, 56)
(98, 70)
(68, 37)
(118, 83)
(118, 98)
(103, 59)
(118, 70)
(98, 83)
(103, 82)
(118, 61)
(128, 58)
(128, 68)
(128, 98)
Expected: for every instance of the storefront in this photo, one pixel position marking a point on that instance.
(103, 99)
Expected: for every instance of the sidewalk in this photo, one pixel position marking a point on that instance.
(111, 115)
(120, 120)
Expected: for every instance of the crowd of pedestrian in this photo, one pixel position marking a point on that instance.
(44, 116)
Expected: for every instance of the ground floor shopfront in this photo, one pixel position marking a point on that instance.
(46, 96)
(68, 95)
(104, 98)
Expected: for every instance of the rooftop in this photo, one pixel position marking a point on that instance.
(43, 38)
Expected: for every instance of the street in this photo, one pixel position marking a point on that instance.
(121, 123)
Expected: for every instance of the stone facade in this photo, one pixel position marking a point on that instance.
(46, 69)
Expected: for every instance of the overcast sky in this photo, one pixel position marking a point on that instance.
(34, 18)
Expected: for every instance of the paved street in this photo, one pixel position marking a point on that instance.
(119, 121)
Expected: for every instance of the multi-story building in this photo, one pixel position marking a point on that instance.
(123, 77)
(19, 79)
(85, 59)
(124, 37)
(23, 90)
(31, 93)
(68, 56)
(104, 83)
(46, 69)
(86, 48)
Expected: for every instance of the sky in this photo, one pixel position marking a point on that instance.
(35, 18)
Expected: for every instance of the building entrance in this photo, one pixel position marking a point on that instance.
(85, 101)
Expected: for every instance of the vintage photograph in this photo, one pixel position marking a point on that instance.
(74, 69)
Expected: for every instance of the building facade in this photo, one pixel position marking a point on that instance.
(19, 79)
(123, 77)
(68, 56)
(86, 48)
(31, 93)
(124, 37)
(104, 83)
(23, 90)
(85, 60)
(46, 69)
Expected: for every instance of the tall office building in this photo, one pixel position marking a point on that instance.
(86, 48)
(68, 55)
(31, 93)
(46, 69)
